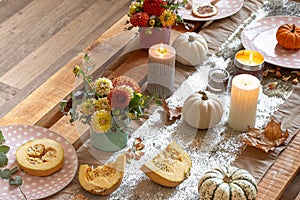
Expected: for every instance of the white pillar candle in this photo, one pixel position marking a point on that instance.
(161, 69)
(244, 96)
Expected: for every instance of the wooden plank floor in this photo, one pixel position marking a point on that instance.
(38, 37)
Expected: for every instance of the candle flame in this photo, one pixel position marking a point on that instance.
(161, 46)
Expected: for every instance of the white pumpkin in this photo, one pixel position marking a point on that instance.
(191, 48)
(202, 110)
(228, 183)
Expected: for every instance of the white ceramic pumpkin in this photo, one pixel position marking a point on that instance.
(228, 183)
(202, 110)
(191, 48)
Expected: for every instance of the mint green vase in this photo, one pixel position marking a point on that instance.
(110, 141)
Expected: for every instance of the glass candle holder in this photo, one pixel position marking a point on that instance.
(249, 62)
(218, 80)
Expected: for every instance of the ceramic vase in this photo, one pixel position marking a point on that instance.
(153, 35)
(110, 141)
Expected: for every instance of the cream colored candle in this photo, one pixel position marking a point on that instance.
(244, 96)
(161, 69)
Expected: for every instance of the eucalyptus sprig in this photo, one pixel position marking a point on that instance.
(7, 173)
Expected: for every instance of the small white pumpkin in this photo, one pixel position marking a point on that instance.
(202, 110)
(191, 48)
(227, 183)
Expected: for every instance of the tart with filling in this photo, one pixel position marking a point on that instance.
(40, 157)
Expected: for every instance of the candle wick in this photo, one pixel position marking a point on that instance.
(251, 58)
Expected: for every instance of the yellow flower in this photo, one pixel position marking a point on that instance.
(102, 103)
(88, 107)
(103, 86)
(101, 121)
(167, 18)
(152, 22)
(76, 70)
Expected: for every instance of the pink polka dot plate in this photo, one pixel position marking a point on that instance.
(35, 187)
(260, 36)
(225, 8)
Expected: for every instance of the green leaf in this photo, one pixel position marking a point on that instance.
(16, 181)
(158, 102)
(1, 137)
(87, 58)
(4, 149)
(63, 103)
(3, 159)
(5, 174)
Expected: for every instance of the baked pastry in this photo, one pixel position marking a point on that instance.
(204, 11)
(40, 157)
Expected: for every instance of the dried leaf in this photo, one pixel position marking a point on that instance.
(135, 152)
(266, 139)
(285, 79)
(296, 72)
(272, 85)
(172, 113)
(295, 81)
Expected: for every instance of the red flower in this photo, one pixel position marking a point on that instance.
(154, 7)
(139, 19)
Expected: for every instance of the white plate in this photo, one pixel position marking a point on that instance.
(36, 187)
(260, 35)
(226, 8)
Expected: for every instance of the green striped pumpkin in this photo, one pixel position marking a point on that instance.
(227, 183)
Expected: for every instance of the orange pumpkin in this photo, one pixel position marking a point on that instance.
(288, 36)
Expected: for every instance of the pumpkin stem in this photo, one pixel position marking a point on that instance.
(191, 38)
(293, 28)
(227, 179)
(204, 95)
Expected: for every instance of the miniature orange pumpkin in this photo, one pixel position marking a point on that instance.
(288, 36)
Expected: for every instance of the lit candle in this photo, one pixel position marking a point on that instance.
(161, 69)
(244, 96)
(249, 62)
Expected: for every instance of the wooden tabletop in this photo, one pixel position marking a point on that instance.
(47, 113)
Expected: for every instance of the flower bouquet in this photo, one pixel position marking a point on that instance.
(154, 19)
(108, 107)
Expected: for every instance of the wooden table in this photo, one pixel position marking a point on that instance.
(47, 113)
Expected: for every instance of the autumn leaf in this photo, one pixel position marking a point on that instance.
(172, 113)
(266, 139)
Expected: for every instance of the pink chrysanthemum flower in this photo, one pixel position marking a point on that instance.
(126, 80)
(101, 121)
(120, 97)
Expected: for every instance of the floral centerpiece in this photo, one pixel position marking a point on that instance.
(108, 107)
(155, 18)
